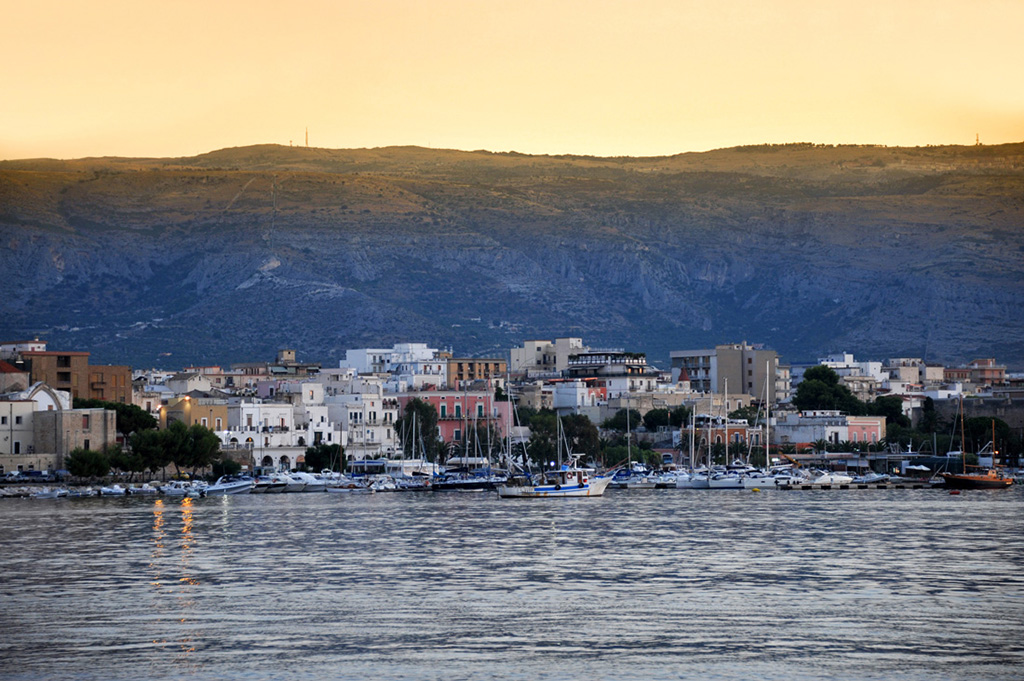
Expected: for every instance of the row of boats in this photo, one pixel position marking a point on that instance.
(571, 480)
(736, 476)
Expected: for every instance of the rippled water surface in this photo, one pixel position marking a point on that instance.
(646, 584)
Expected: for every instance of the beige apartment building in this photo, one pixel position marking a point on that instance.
(736, 367)
(71, 372)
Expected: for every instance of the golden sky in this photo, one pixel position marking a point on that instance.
(632, 77)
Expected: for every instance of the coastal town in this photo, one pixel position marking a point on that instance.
(711, 406)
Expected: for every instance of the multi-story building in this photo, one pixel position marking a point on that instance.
(38, 429)
(71, 371)
(368, 420)
(545, 358)
(412, 365)
(209, 412)
(805, 428)
(732, 367)
(616, 372)
(461, 412)
(13, 349)
(463, 371)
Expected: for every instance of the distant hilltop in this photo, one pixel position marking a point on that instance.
(805, 248)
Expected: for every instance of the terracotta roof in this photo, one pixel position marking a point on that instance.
(8, 368)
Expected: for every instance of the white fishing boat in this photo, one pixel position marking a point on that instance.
(114, 490)
(570, 481)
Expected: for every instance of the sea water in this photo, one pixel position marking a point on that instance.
(638, 584)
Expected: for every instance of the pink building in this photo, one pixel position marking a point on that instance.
(459, 412)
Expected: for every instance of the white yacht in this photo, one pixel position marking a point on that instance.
(230, 484)
(311, 483)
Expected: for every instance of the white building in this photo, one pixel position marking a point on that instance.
(544, 357)
(413, 366)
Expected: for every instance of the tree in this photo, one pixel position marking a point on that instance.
(655, 418)
(929, 422)
(130, 418)
(891, 407)
(325, 457)
(679, 416)
(821, 389)
(149, 446)
(225, 467)
(582, 435)
(748, 413)
(202, 447)
(543, 443)
(192, 447)
(618, 422)
(979, 432)
(428, 444)
(125, 460)
(87, 463)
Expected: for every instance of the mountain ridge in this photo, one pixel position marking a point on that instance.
(229, 255)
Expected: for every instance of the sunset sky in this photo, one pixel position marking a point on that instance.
(637, 77)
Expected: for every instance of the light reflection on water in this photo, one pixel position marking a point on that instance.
(872, 584)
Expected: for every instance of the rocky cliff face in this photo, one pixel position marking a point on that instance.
(232, 255)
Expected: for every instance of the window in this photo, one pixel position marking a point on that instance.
(479, 410)
(64, 361)
(458, 435)
(248, 420)
(17, 420)
(203, 422)
(17, 447)
(3, 420)
(85, 444)
(444, 411)
(85, 423)
(458, 411)
(63, 376)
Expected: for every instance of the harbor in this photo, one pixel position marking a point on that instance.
(914, 584)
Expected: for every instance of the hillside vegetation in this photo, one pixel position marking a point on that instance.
(232, 254)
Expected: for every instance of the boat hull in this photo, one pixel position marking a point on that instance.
(968, 481)
(591, 488)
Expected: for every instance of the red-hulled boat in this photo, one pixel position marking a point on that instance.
(989, 479)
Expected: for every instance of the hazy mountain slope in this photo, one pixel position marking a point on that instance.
(233, 254)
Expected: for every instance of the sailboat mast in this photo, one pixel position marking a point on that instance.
(725, 408)
(629, 454)
(693, 434)
(767, 418)
(963, 438)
